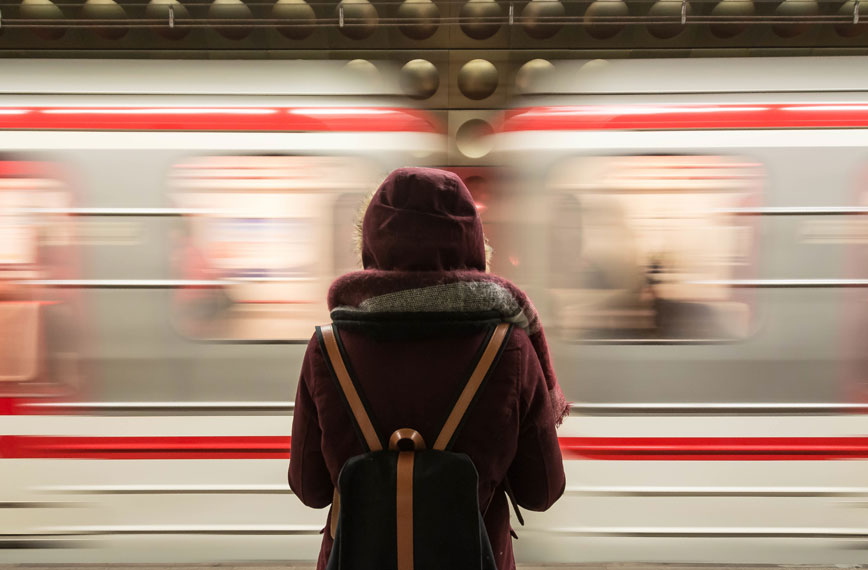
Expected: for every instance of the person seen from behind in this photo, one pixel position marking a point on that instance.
(411, 324)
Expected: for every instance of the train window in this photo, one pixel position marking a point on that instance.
(645, 247)
(255, 252)
(35, 247)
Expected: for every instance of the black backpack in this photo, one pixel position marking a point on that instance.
(408, 509)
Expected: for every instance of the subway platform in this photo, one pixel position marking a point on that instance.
(309, 566)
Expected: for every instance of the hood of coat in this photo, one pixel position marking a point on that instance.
(422, 219)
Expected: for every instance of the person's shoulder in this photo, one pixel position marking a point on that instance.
(313, 353)
(521, 351)
(519, 340)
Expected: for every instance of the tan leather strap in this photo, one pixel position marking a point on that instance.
(404, 505)
(476, 378)
(336, 513)
(333, 355)
(404, 492)
(350, 393)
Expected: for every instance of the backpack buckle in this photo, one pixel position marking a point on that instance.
(404, 436)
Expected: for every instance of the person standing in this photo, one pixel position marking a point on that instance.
(412, 322)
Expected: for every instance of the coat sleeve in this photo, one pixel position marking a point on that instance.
(308, 475)
(537, 471)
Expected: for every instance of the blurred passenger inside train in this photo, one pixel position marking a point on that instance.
(412, 323)
(650, 243)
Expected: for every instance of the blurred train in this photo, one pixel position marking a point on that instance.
(693, 232)
(696, 233)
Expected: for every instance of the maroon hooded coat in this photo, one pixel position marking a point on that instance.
(410, 366)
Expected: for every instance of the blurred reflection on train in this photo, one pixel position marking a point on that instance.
(40, 327)
(264, 233)
(696, 231)
(166, 230)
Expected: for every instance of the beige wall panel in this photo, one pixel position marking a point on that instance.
(467, 142)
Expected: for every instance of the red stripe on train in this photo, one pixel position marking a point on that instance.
(599, 448)
(265, 119)
(685, 117)
(218, 447)
(714, 448)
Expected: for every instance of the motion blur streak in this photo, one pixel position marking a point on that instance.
(676, 117)
(239, 447)
(601, 448)
(217, 119)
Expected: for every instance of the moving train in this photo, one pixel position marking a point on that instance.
(692, 231)
(695, 231)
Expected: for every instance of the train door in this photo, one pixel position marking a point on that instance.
(38, 322)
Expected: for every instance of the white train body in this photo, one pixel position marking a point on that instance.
(693, 233)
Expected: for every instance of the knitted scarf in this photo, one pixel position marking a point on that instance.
(461, 291)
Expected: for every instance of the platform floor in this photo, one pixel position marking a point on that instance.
(299, 566)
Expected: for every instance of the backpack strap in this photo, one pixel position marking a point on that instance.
(336, 363)
(490, 356)
(335, 359)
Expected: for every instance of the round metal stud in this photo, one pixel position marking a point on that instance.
(473, 138)
(531, 73)
(477, 79)
(668, 14)
(539, 18)
(420, 79)
(593, 66)
(360, 18)
(858, 18)
(168, 11)
(601, 18)
(230, 11)
(422, 19)
(591, 71)
(795, 9)
(43, 10)
(299, 16)
(480, 19)
(363, 69)
(105, 10)
(734, 10)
